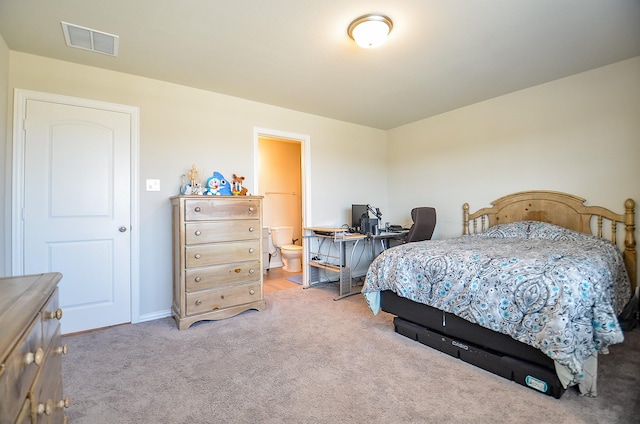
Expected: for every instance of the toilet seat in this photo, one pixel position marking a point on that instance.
(291, 247)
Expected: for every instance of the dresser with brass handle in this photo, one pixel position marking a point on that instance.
(217, 257)
(31, 350)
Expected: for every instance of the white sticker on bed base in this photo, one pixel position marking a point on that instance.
(536, 383)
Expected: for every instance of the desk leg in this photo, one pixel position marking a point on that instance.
(314, 276)
(345, 284)
(373, 240)
(345, 273)
(373, 246)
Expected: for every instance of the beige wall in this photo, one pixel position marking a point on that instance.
(181, 126)
(579, 135)
(5, 101)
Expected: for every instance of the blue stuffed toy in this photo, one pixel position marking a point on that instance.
(217, 185)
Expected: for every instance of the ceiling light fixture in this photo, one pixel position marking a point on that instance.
(369, 31)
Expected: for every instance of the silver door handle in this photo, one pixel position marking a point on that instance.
(122, 229)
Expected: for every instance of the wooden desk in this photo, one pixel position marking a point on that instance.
(316, 260)
(385, 237)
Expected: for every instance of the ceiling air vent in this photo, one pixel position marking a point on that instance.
(90, 39)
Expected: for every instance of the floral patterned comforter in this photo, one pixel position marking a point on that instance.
(555, 289)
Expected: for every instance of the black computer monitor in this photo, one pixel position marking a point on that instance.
(357, 212)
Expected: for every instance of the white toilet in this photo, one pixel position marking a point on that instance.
(291, 253)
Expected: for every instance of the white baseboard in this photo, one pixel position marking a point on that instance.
(154, 315)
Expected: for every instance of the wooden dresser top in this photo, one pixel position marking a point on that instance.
(20, 300)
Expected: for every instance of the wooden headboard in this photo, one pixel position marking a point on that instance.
(561, 209)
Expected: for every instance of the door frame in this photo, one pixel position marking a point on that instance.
(21, 96)
(305, 167)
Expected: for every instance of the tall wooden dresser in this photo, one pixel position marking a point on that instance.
(217, 257)
(30, 350)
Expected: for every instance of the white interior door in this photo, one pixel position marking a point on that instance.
(77, 206)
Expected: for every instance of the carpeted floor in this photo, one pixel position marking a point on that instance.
(310, 359)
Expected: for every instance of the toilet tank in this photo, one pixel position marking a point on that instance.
(282, 236)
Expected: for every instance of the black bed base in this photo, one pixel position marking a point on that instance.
(486, 349)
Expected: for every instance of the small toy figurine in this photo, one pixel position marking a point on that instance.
(193, 176)
(236, 186)
(187, 189)
(217, 185)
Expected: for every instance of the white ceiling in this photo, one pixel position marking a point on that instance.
(441, 54)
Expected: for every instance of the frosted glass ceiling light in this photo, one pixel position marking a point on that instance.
(369, 31)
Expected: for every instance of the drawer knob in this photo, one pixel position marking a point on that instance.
(251, 250)
(62, 350)
(251, 229)
(251, 209)
(63, 403)
(198, 302)
(197, 209)
(46, 409)
(198, 279)
(57, 314)
(198, 232)
(37, 357)
(251, 271)
(197, 256)
(252, 291)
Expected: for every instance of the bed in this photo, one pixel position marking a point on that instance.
(531, 291)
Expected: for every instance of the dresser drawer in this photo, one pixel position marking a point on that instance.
(20, 369)
(223, 297)
(46, 399)
(220, 208)
(61, 402)
(216, 231)
(51, 316)
(24, 417)
(219, 275)
(219, 253)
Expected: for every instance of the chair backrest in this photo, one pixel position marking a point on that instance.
(424, 222)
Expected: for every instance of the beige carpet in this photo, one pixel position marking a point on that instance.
(309, 359)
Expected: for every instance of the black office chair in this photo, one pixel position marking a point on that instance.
(424, 222)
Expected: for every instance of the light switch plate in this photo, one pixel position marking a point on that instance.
(153, 185)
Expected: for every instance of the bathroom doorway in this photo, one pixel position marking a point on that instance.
(281, 169)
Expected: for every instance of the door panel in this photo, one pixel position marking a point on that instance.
(81, 167)
(77, 209)
(96, 253)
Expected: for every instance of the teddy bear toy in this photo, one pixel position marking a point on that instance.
(217, 185)
(236, 186)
